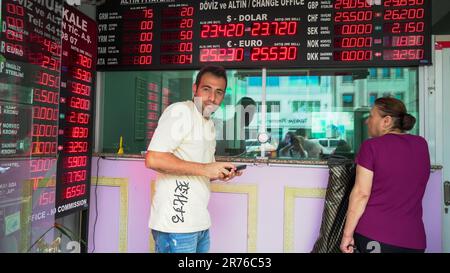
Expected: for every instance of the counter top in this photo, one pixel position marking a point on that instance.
(278, 161)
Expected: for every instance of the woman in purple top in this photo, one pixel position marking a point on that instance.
(385, 207)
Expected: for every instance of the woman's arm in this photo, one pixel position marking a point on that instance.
(357, 204)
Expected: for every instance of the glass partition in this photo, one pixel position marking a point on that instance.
(311, 114)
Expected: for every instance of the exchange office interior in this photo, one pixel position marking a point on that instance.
(79, 106)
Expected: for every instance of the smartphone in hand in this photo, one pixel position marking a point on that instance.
(238, 168)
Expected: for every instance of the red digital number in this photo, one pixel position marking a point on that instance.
(404, 41)
(82, 75)
(221, 54)
(176, 59)
(403, 14)
(284, 28)
(49, 80)
(353, 16)
(77, 132)
(75, 162)
(14, 35)
(353, 55)
(222, 30)
(186, 35)
(15, 9)
(146, 37)
(359, 29)
(186, 23)
(353, 42)
(42, 165)
(74, 176)
(52, 47)
(274, 53)
(74, 191)
(43, 148)
(408, 27)
(184, 59)
(142, 60)
(187, 11)
(76, 147)
(403, 54)
(50, 63)
(45, 96)
(402, 3)
(43, 130)
(148, 13)
(45, 113)
(36, 181)
(14, 23)
(43, 181)
(205, 31)
(146, 25)
(79, 103)
(145, 48)
(352, 4)
(78, 118)
(47, 198)
(185, 47)
(81, 89)
(180, 47)
(84, 61)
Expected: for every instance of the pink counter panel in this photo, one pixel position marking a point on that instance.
(268, 209)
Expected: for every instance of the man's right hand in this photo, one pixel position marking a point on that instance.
(218, 170)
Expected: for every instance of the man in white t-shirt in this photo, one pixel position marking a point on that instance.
(182, 152)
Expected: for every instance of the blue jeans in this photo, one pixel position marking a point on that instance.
(193, 242)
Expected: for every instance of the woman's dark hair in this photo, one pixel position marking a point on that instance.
(248, 113)
(397, 110)
(246, 101)
(217, 71)
(283, 143)
(296, 145)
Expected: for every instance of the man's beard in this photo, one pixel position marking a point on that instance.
(206, 110)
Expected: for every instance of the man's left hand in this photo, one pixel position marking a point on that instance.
(230, 176)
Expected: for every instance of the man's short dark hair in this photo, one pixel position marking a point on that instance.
(217, 71)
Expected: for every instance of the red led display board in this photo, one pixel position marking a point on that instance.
(187, 34)
(76, 108)
(50, 52)
(30, 76)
